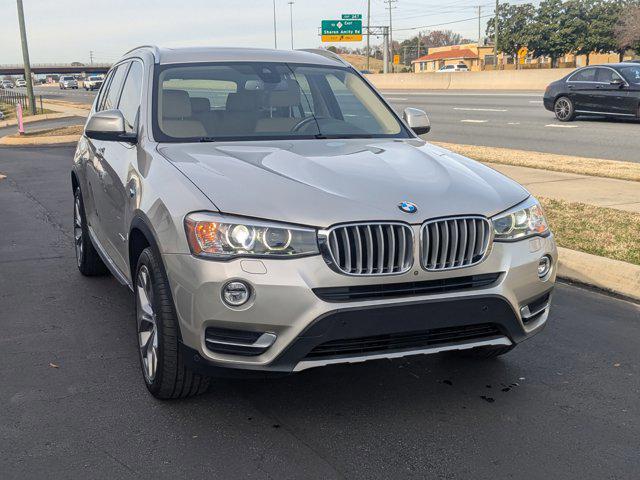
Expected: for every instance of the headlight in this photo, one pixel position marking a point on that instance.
(522, 221)
(217, 236)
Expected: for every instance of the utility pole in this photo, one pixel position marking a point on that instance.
(291, 17)
(25, 59)
(91, 57)
(368, 33)
(419, 42)
(390, 7)
(479, 29)
(275, 35)
(385, 49)
(495, 38)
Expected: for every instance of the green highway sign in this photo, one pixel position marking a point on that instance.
(341, 27)
(351, 16)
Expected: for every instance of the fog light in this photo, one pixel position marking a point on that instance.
(236, 293)
(544, 266)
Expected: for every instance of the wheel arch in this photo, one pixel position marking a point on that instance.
(141, 236)
(75, 183)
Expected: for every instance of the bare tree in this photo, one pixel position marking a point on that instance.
(627, 31)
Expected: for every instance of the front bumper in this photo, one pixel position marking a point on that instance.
(308, 328)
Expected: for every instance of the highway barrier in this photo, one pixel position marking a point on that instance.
(486, 80)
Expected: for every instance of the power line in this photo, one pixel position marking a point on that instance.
(422, 27)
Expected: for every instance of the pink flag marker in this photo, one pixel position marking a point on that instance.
(20, 124)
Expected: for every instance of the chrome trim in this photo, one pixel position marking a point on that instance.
(526, 314)
(264, 341)
(486, 246)
(606, 113)
(115, 271)
(495, 341)
(329, 248)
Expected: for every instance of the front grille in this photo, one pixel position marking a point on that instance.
(370, 248)
(457, 242)
(403, 341)
(395, 290)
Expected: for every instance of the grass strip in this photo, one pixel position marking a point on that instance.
(605, 232)
(549, 161)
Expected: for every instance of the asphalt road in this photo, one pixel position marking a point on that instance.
(495, 119)
(519, 121)
(563, 405)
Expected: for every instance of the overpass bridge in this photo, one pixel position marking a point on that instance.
(55, 68)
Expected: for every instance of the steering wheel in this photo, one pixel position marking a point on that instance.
(304, 122)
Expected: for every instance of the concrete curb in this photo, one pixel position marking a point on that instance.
(612, 275)
(31, 141)
(35, 118)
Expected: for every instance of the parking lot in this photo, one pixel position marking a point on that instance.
(73, 405)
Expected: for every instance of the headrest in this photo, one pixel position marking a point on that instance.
(242, 101)
(287, 97)
(175, 104)
(200, 105)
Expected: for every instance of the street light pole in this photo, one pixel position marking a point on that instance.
(291, 17)
(25, 59)
(275, 35)
(495, 38)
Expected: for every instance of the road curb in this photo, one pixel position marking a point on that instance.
(612, 275)
(35, 118)
(37, 141)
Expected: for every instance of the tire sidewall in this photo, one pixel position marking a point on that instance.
(147, 259)
(85, 232)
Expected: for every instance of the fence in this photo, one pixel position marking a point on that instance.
(11, 98)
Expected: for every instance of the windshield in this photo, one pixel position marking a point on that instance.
(631, 73)
(253, 101)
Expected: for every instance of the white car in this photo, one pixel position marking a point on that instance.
(461, 67)
(21, 82)
(68, 81)
(93, 83)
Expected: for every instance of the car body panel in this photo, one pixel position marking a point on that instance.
(325, 182)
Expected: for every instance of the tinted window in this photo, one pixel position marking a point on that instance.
(130, 98)
(110, 100)
(586, 75)
(631, 73)
(607, 75)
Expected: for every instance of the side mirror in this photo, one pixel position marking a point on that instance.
(617, 82)
(417, 120)
(108, 125)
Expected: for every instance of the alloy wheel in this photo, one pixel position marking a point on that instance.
(77, 229)
(563, 109)
(147, 325)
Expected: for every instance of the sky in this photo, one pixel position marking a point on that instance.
(67, 30)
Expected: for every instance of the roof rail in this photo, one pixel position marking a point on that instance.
(326, 54)
(154, 50)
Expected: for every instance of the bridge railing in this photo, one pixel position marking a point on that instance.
(56, 65)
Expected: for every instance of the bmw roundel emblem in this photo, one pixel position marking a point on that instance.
(408, 207)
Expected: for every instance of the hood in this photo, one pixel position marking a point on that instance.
(324, 182)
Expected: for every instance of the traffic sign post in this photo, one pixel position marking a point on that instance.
(341, 30)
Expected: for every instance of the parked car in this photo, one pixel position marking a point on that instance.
(93, 83)
(271, 212)
(68, 81)
(1, 115)
(7, 84)
(610, 90)
(21, 82)
(461, 67)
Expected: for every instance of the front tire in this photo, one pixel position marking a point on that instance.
(564, 109)
(89, 262)
(163, 370)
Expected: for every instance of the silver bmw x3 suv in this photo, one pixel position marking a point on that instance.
(271, 212)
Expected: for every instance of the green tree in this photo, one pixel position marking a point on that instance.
(515, 27)
(627, 31)
(549, 31)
